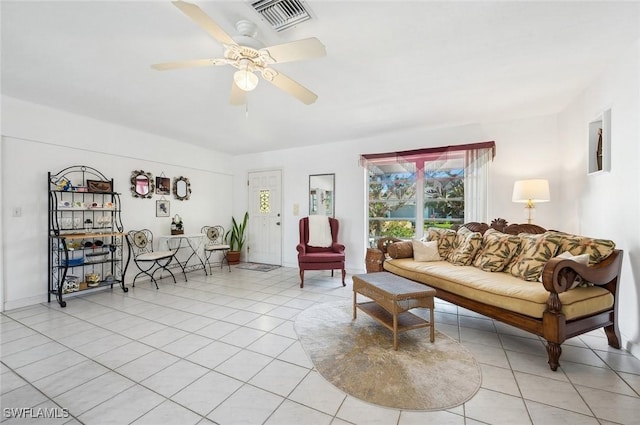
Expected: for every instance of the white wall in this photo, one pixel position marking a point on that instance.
(525, 149)
(607, 204)
(37, 139)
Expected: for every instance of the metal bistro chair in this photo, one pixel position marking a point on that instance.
(215, 243)
(140, 244)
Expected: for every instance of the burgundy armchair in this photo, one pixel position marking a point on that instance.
(320, 258)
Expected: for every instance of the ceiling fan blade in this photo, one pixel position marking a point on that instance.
(307, 48)
(204, 21)
(292, 87)
(195, 63)
(238, 96)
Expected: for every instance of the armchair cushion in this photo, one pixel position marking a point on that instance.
(322, 257)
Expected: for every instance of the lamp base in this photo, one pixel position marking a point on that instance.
(530, 213)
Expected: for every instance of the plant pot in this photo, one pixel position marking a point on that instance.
(233, 257)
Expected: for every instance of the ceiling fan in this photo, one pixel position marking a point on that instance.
(250, 56)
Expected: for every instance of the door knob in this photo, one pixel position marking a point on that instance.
(277, 223)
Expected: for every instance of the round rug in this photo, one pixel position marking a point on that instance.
(358, 358)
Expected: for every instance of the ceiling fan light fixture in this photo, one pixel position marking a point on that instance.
(245, 80)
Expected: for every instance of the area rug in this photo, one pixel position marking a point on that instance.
(259, 267)
(358, 358)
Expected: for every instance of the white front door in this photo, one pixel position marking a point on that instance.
(265, 218)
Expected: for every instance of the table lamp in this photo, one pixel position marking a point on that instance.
(530, 191)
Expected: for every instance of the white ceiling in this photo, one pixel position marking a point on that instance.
(389, 65)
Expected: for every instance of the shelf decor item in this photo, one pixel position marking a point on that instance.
(99, 186)
(76, 218)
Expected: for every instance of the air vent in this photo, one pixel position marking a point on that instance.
(282, 14)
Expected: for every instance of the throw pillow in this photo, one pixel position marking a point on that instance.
(598, 249)
(425, 251)
(445, 239)
(581, 259)
(534, 252)
(496, 251)
(465, 247)
(402, 249)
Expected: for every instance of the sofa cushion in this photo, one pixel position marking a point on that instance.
(445, 237)
(534, 252)
(402, 249)
(500, 289)
(425, 251)
(598, 249)
(465, 247)
(496, 251)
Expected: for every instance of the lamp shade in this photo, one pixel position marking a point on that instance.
(529, 191)
(245, 79)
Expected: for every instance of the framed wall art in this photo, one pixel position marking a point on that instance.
(163, 185)
(162, 208)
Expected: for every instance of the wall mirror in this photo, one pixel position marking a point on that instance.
(142, 185)
(181, 188)
(322, 194)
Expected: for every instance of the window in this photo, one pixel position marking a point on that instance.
(392, 200)
(410, 191)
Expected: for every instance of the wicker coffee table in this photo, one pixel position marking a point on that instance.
(392, 296)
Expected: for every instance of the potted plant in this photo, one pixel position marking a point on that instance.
(236, 238)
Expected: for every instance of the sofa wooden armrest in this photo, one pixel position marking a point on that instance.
(558, 276)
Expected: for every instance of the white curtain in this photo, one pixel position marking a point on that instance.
(476, 185)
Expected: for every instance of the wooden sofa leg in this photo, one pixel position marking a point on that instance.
(344, 273)
(554, 350)
(610, 331)
(301, 278)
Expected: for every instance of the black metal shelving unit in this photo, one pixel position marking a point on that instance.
(85, 232)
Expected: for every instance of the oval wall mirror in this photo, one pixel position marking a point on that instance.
(322, 194)
(142, 185)
(181, 188)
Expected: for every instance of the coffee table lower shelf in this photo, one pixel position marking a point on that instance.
(406, 321)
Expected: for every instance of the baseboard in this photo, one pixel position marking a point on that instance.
(632, 347)
(25, 302)
(42, 299)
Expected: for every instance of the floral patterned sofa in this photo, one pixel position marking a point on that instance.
(553, 284)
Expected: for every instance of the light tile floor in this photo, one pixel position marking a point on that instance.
(222, 349)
